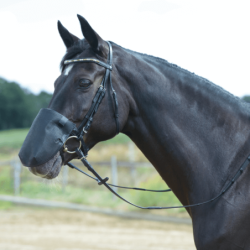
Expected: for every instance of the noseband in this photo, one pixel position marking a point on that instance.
(88, 118)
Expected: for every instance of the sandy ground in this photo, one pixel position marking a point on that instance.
(51, 229)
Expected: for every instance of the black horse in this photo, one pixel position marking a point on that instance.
(195, 134)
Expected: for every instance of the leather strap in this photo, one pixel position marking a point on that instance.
(87, 120)
(91, 60)
(103, 181)
(115, 101)
(112, 185)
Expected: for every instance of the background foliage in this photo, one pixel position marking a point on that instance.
(18, 106)
(246, 98)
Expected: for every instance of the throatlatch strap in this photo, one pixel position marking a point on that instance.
(116, 114)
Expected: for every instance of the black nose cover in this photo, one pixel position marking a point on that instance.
(46, 137)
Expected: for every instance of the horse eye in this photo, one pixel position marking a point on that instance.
(84, 83)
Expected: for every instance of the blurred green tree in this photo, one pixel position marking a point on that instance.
(246, 98)
(18, 106)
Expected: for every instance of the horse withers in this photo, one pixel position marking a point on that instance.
(194, 133)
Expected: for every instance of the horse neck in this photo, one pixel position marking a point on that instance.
(193, 132)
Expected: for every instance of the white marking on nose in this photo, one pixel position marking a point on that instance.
(68, 68)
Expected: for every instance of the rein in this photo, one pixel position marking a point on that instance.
(107, 185)
(83, 128)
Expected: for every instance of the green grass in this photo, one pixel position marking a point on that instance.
(119, 139)
(36, 190)
(33, 187)
(147, 199)
(4, 205)
(14, 138)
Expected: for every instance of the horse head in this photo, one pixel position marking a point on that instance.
(74, 91)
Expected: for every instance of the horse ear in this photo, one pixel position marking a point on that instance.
(67, 37)
(94, 40)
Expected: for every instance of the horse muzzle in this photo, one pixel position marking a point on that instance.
(40, 150)
(50, 169)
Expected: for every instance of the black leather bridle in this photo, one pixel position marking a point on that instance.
(88, 118)
(83, 128)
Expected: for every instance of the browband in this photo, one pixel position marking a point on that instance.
(105, 65)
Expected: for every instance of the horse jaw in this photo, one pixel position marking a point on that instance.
(50, 169)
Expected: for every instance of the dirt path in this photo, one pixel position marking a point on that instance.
(50, 229)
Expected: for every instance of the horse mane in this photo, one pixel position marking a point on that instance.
(205, 82)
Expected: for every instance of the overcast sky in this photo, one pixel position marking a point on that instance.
(210, 38)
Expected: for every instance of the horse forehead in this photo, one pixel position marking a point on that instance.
(68, 69)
